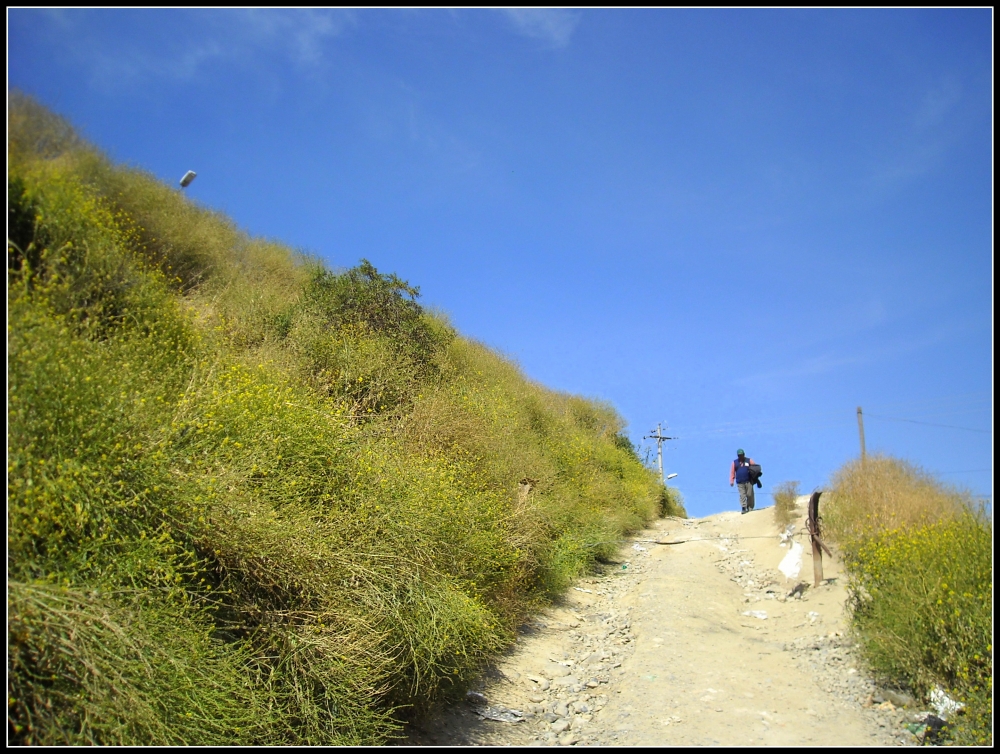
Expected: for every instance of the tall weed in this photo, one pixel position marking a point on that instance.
(785, 496)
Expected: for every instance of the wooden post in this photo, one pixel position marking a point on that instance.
(524, 488)
(812, 524)
(861, 432)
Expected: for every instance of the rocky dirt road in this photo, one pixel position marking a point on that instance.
(684, 644)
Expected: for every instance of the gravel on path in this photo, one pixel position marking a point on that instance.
(690, 644)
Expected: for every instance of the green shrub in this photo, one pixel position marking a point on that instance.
(672, 502)
(919, 562)
(21, 222)
(922, 604)
(623, 442)
(366, 299)
(113, 668)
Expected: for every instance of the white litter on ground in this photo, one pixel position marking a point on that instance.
(500, 714)
(791, 564)
(943, 704)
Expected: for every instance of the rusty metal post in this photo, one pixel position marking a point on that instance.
(812, 524)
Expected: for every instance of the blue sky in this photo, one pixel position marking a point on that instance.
(743, 223)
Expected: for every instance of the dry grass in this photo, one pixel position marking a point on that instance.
(785, 496)
(883, 493)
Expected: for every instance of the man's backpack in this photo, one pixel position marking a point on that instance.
(755, 474)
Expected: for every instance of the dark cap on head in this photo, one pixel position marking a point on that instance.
(740, 452)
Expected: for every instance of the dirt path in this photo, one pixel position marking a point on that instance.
(671, 646)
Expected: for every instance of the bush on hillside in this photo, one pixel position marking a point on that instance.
(785, 495)
(367, 339)
(34, 132)
(919, 562)
(364, 297)
(672, 502)
(206, 544)
(880, 493)
(922, 604)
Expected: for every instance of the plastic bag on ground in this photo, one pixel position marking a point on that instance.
(791, 564)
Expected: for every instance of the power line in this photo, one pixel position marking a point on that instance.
(721, 491)
(931, 424)
(788, 423)
(975, 397)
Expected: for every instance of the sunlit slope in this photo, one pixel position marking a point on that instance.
(251, 500)
(919, 554)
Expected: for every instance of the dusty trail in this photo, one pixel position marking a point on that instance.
(659, 649)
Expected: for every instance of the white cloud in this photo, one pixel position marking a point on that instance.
(925, 140)
(302, 33)
(554, 26)
(937, 103)
(405, 117)
(778, 379)
(211, 37)
(808, 368)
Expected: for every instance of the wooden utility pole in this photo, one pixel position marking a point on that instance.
(659, 437)
(861, 432)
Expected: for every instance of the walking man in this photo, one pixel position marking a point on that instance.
(740, 473)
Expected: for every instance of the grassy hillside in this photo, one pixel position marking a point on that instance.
(255, 501)
(919, 554)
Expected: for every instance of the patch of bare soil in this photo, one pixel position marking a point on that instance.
(698, 643)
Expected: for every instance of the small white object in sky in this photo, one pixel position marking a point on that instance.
(671, 476)
(188, 177)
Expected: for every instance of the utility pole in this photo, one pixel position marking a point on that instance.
(659, 437)
(861, 432)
